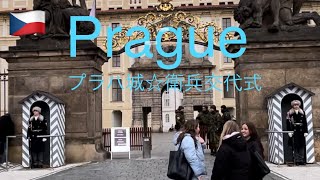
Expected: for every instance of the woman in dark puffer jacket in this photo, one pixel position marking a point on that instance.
(249, 132)
(233, 159)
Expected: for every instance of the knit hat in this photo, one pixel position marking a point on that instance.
(36, 108)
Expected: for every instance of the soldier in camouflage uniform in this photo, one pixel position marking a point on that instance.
(226, 116)
(213, 133)
(180, 117)
(204, 116)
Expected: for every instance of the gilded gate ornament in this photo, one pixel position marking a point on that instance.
(155, 21)
(165, 5)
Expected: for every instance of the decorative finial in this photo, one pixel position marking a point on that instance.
(165, 5)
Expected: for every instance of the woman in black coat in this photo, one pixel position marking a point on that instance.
(249, 132)
(232, 159)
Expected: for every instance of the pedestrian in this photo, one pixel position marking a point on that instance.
(296, 122)
(192, 146)
(178, 130)
(180, 117)
(37, 127)
(232, 159)
(213, 133)
(204, 116)
(6, 129)
(226, 116)
(249, 132)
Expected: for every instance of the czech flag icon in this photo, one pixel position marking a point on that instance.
(27, 23)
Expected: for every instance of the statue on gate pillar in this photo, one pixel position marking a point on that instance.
(274, 15)
(297, 123)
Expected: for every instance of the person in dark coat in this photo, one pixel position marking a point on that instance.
(6, 129)
(213, 134)
(204, 116)
(180, 117)
(249, 132)
(296, 122)
(226, 116)
(37, 127)
(233, 159)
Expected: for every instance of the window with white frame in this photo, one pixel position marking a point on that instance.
(5, 3)
(114, 25)
(134, 2)
(8, 29)
(20, 4)
(4, 28)
(226, 22)
(228, 87)
(116, 90)
(116, 61)
(227, 59)
(167, 118)
(166, 99)
(1, 30)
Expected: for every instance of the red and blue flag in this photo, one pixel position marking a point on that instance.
(27, 23)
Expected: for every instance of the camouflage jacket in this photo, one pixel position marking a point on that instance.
(215, 121)
(226, 116)
(204, 118)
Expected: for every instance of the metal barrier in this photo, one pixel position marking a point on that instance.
(277, 132)
(42, 136)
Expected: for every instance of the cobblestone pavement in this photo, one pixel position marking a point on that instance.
(136, 168)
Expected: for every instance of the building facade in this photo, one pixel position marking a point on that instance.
(127, 107)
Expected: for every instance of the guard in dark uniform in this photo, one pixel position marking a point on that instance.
(298, 124)
(37, 127)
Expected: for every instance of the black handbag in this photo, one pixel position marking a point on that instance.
(179, 168)
(260, 167)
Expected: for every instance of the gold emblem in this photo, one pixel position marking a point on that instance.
(165, 5)
(155, 21)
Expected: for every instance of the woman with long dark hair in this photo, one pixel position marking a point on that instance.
(192, 148)
(249, 132)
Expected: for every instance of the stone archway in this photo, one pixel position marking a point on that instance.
(153, 98)
(155, 23)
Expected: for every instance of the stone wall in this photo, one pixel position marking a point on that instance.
(45, 65)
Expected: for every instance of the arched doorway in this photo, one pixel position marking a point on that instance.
(172, 98)
(116, 119)
(286, 106)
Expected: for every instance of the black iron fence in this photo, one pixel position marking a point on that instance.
(3, 92)
(136, 138)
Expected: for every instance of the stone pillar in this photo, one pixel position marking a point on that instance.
(46, 65)
(279, 58)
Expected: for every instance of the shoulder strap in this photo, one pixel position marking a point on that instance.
(180, 143)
